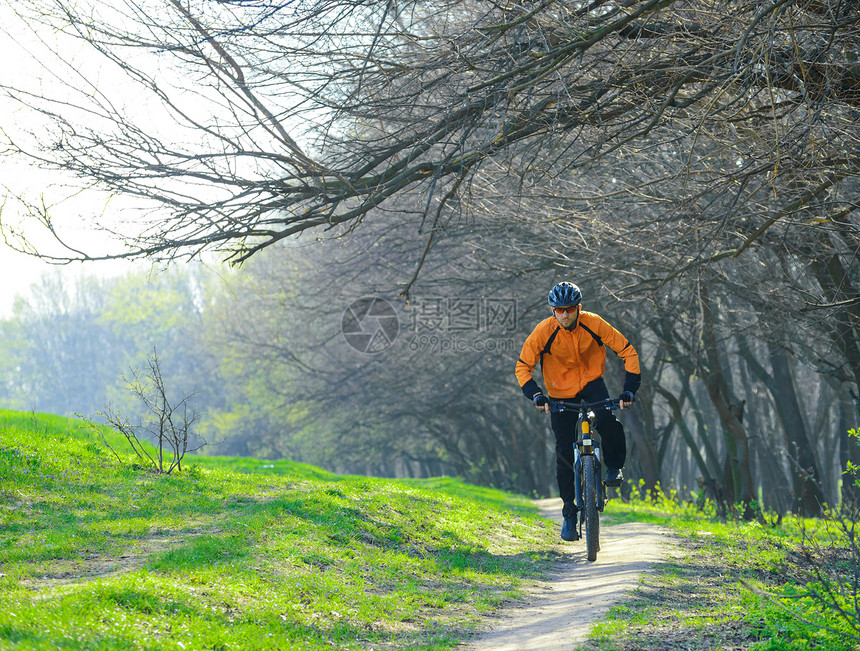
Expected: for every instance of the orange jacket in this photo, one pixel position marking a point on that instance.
(574, 357)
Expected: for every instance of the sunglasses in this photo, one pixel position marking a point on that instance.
(570, 309)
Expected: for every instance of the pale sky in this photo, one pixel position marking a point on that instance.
(18, 271)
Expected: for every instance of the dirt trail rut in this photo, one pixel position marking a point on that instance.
(559, 613)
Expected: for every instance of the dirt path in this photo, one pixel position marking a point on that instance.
(559, 614)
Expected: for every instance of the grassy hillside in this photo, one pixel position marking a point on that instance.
(246, 554)
(237, 553)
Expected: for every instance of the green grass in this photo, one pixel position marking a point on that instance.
(239, 553)
(251, 554)
(730, 585)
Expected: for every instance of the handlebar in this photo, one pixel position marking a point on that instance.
(564, 405)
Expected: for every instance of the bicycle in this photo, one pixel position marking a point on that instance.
(590, 487)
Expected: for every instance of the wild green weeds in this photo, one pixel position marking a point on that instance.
(95, 554)
(731, 584)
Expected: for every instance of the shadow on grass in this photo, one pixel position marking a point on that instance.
(326, 518)
(244, 635)
(112, 616)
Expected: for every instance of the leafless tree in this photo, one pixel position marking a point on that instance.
(700, 155)
(167, 425)
(286, 116)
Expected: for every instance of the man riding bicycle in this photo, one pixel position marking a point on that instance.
(571, 349)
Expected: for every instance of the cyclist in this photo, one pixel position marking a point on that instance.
(571, 346)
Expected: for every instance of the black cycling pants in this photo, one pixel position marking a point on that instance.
(613, 448)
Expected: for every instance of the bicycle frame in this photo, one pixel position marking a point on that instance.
(588, 481)
(587, 440)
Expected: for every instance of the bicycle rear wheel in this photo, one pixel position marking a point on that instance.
(589, 494)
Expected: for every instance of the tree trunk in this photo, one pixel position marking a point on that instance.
(730, 412)
(805, 473)
(806, 476)
(849, 450)
(709, 482)
(837, 286)
(773, 475)
(646, 453)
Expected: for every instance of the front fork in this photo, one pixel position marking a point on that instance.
(577, 479)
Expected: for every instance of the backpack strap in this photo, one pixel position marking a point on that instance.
(548, 344)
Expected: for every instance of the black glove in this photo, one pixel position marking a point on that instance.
(540, 400)
(626, 396)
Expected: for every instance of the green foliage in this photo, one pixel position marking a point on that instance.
(732, 584)
(142, 303)
(243, 553)
(852, 470)
(65, 348)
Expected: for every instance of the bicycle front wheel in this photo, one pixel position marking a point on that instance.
(589, 494)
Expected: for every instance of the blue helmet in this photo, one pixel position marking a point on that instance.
(564, 294)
